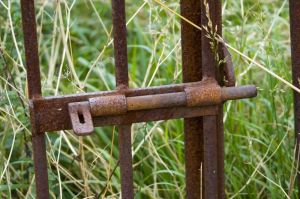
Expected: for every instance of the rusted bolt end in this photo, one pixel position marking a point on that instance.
(108, 105)
(241, 92)
(203, 95)
(81, 118)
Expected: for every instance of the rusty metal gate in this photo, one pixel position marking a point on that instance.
(295, 46)
(208, 83)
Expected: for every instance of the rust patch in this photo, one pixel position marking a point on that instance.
(108, 105)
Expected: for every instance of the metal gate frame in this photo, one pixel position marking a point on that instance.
(207, 85)
(295, 49)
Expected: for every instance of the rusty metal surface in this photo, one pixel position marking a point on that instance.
(34, 91)
(295, 45)
(156, 101)
(213, 156)
(156, 115)
(125, 158)
(210, 155)
(53, 113)
(81, 118)
(52, 123)
(240, 92)
(220, 153)
(204, 95)
(120, 42)
(120, 51)
(31, 48)
(40, 166)
(229, 77)
(108, 105)
(191, 71)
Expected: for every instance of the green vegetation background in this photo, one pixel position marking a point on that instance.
(76, 36)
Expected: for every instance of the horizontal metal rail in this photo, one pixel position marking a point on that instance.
(194, 96)
(211, 94)
(53, 113)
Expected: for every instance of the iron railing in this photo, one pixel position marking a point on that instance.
(199, 99)
(295, 47)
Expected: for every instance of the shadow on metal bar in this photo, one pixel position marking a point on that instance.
(295, 47)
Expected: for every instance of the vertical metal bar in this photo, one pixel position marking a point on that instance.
(220, 124)
(295, 45)
(40, 166)
(220, 154)
(120, 46)
(31, 48)
(208, 55)
(120, 42)
(213, 166)
(34, 90)
(210, 164)
(126, 162)
(191, 65)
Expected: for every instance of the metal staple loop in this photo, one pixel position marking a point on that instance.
(81, 118)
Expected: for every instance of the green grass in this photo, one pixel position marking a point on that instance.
(73, 38)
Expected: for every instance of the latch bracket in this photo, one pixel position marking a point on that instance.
(81, 118)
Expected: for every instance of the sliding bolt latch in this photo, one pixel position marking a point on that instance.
(208, 94)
